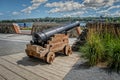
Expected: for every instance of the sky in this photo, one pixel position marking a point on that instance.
(22, 9)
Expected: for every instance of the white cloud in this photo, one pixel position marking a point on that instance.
(35, 5)
(79, 13)
(24, 5)
(15, 13)
(115, 14)
(63, 6)
(101, 7)
(1, 14)
(38, 1)
(98, 3)
(110, 8)
(38, 11)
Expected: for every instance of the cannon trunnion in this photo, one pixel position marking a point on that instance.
(45, 44)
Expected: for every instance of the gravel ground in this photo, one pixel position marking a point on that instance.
(81, 71)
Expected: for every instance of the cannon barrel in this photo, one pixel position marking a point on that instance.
(43, 36)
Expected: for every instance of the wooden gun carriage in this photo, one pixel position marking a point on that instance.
(45, 44)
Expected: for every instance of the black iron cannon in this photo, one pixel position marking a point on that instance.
(41, 37)
(47, 43)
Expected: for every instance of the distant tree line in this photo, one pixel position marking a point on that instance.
(66, 19)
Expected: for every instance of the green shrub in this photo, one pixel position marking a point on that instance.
(106, 40)
(114, 55)
(93, 50)
(102, 48)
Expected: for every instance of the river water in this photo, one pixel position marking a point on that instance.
(26, 24)
(29, 24)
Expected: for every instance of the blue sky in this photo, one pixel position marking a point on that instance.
(22, 9)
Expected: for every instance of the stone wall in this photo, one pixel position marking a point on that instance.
(101, 28)
(9, 28)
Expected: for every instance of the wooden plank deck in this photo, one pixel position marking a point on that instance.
(20, 67)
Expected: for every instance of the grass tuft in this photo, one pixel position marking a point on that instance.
(102, 47)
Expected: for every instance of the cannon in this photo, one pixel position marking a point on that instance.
(46, 43)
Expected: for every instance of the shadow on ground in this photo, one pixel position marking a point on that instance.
(27, 61)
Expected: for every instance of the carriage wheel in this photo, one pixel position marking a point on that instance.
(50, 57)
(67, 50)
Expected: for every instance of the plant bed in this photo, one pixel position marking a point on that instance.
(102, 47)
